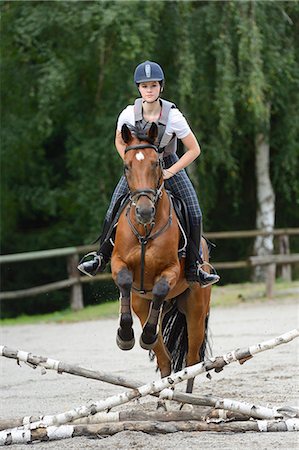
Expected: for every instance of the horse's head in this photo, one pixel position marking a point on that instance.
(143, 171)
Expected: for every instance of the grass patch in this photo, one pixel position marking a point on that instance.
(94, 312)
(223, 296)
(233, 294)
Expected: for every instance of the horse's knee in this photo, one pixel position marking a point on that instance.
(161, 289)
(124, 281)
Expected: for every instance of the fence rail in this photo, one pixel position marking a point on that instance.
(75, 281)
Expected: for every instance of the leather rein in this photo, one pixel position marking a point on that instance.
(154, 195)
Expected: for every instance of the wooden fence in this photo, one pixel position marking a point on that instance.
(75, 280)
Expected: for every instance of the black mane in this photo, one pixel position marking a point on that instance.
(141, 134)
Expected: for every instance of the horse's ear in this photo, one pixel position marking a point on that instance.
(126, 134)
(153, 132)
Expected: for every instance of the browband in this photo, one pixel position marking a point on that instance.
(141, 146)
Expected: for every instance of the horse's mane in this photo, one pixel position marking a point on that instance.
(140, 133)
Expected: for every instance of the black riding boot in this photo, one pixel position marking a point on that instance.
(96, 262)
(193, 270)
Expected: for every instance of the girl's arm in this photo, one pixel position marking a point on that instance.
(192, 152)
(120, 144)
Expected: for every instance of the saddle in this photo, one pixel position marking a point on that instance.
(181, 211)
(182, 214)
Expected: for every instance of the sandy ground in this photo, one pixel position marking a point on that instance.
(270, 378)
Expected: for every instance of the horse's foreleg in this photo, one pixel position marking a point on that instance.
(125, 334)
(149, 336)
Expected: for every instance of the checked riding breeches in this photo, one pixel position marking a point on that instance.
(179, 185)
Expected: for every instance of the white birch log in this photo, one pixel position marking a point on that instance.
(137, 415)
(158, 385)
(248, 409)
(51, 433)
(62, 367)
(225, 409)
(214, 415)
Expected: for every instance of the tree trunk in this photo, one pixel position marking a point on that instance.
(265, 216)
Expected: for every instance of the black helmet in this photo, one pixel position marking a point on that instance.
(148, 71)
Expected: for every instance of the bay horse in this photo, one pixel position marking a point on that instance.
(147, 269)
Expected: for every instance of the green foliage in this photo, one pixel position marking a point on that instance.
(66, 73)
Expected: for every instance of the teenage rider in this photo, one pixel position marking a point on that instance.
(172, 125)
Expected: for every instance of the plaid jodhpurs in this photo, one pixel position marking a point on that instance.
(180, 186)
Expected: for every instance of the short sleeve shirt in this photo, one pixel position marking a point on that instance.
(176, 124)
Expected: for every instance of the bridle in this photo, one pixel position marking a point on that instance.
(154, 195)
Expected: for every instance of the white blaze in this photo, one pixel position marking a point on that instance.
(139, 156)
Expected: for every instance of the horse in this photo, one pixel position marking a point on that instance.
(146, 268)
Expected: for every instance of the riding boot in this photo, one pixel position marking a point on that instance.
(96, 262)
(193, 269)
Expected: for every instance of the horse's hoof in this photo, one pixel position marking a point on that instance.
(148, 345)
(125, 345)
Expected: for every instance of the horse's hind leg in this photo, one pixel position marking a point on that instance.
(141, 308)
(196, 309)
(125, 335)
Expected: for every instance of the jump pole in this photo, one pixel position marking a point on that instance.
(151, 427)
(18, 435)
(247, 409)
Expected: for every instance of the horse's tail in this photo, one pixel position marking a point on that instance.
(175, 336)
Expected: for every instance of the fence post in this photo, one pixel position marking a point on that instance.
(284, 249)
(76, 299)
(270, 279)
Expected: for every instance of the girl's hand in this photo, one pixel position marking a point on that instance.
(167, 174)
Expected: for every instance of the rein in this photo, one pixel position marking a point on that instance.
(134, 197)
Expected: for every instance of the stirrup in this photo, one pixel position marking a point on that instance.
(214, 273)
(83, 260)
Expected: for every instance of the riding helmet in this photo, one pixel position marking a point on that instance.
(149, 71)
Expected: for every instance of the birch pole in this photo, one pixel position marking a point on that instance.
(217, 363)
(52, 433)
(225, 409)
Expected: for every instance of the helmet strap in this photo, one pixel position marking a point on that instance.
(158, 98)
